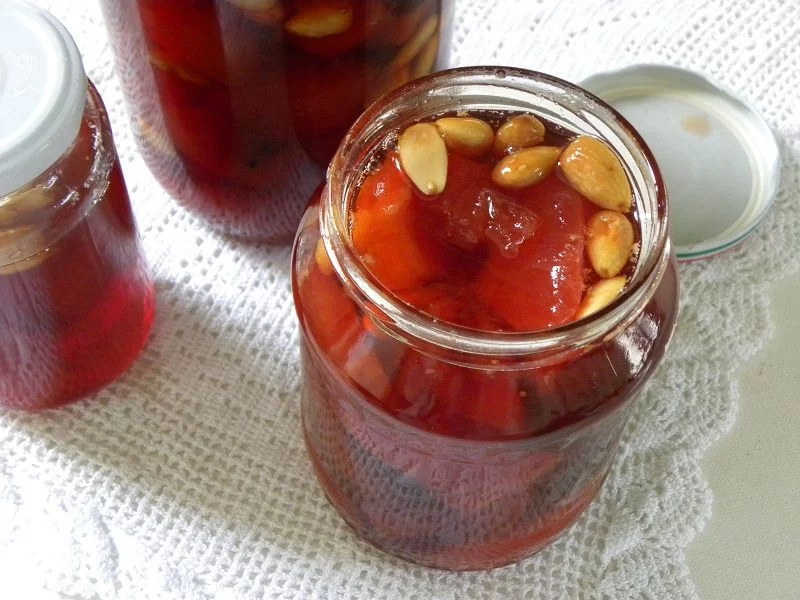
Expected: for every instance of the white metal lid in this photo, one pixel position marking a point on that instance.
(719, 159)
(42, 92)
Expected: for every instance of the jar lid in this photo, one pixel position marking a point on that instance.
(718, 157)
(42, 93)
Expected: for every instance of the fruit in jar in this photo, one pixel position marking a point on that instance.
(417, 43)
(542, 286)
(387, 237)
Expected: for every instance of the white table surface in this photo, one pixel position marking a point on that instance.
(751, 547)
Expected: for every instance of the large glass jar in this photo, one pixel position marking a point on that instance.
(238, 105)
(76, 297)
(441, 500)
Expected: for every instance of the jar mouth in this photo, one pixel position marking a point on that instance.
(558, 102)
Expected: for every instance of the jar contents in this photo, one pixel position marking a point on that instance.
(76, 299)
(486, 230)
(497, 239)
(496, 223)
(240, 104)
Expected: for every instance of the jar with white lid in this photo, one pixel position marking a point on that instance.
(76, 297)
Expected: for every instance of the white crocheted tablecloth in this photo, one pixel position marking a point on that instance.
(188, 478)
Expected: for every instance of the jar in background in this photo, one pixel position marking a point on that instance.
(456, 502)
(76, 298)
(238, 105)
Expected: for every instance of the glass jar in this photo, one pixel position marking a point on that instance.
(76, 298)
(238, 105)
(440, 500)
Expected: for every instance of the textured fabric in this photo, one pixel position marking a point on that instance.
(188, 478)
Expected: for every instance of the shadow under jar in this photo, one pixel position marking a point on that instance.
(470, 499)
(239, 105)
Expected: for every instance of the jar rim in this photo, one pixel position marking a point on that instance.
(447, 91)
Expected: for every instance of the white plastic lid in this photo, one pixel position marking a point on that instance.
(719, 158)
(42, 93)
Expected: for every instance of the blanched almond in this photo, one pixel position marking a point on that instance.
(405, 25)
(522, 131)
(525, 167)
(600, 295)
(592, 168)
(184, 74)
(321, 20)
(415, 45)
(425, 60)
(423, 157)
(609, 242)
(156, 140)
(466, 136)
(322, 259)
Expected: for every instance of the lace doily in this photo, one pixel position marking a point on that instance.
(188, 477)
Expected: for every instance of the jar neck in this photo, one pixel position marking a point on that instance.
(567, 108)
(47, 208)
